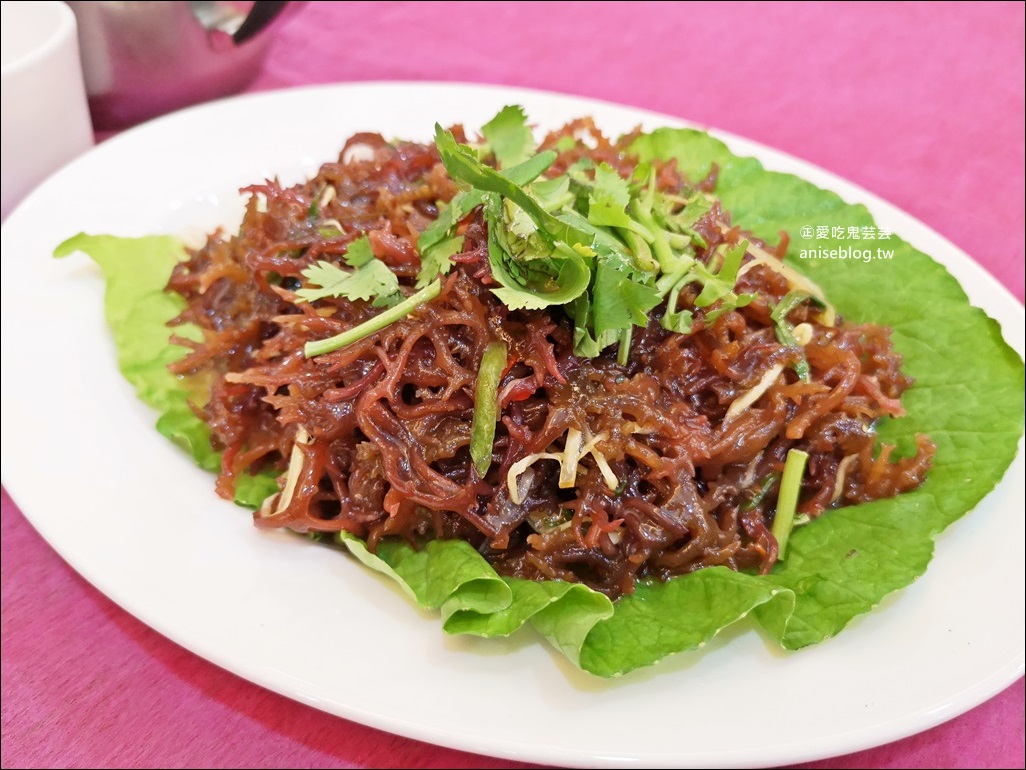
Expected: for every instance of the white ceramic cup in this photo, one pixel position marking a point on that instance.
(45, 115)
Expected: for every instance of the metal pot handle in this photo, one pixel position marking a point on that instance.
(262, 14)
(225, 21)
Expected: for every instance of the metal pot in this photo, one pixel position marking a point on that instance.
(142, 59)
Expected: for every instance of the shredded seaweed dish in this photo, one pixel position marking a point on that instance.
(582, 382)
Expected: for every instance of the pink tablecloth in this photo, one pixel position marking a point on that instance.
(920, 103)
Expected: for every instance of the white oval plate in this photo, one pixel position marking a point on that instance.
(132, 514)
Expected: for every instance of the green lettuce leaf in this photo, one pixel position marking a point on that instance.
(451, 576)
(137, 308)
(843, 564)
(838, 566)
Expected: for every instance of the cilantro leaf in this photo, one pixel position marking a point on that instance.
(620, 300)
(437, 259)
(358, 253)
(509, 136)
(694, 209)
(436, 244)
(371, 280)
(464, 166)
(439, 242)
(609, 198)
(719, 285)
(533, 273)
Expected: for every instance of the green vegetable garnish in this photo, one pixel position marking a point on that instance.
(785, 332)
(539, 275)
(439, 241)
(486, 405)
(436, 244)
(766, 484)
(607, 248)
(509, 137)
(719, 284)
(375, 324)
(370, 280)
(787, 500)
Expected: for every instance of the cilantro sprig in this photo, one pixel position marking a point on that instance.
(607, 249)
(370, 280)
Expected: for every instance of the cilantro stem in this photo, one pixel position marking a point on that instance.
(375, 324)
(668, 261)
(681, 241)
(486, 405)
(787, 502)
(642, 253)
(623, 353)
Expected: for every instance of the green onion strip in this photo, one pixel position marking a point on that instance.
(486, 405)
(787, 502)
